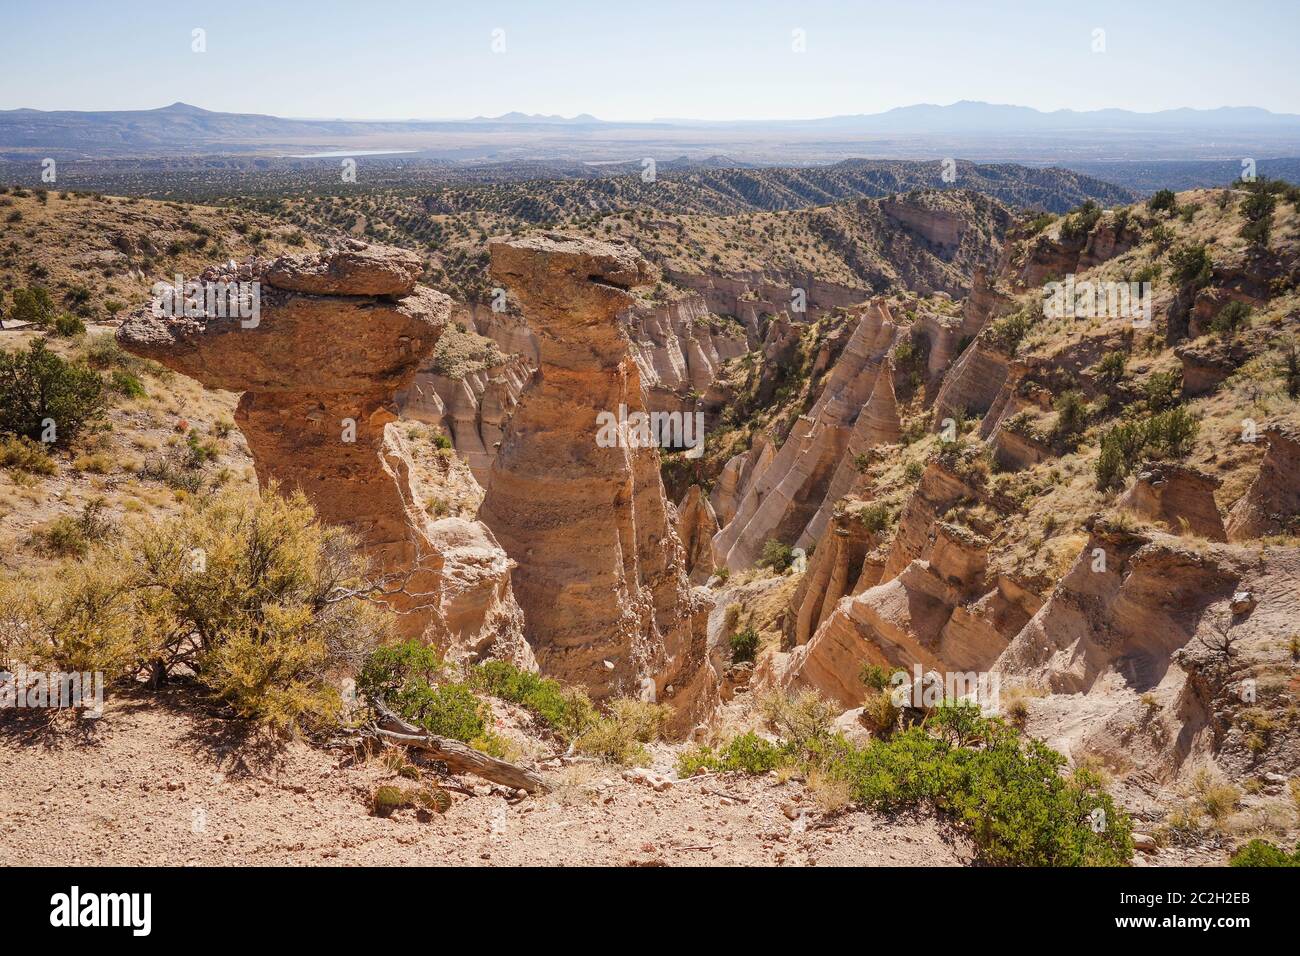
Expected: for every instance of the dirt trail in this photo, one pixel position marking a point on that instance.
(159, 784)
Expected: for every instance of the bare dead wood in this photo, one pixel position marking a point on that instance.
(457, 756)
(726, 796)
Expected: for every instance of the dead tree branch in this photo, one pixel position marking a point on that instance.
(456, 755)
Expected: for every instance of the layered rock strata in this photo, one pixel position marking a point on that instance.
(338, 333)
(696, 525)
(1271, 505)
(473, 408)
(1177, 496)
(680, 348)
(780, 503)
(602, 574)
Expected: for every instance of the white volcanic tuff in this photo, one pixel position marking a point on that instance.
(877, 424)
(749, 296)
(737, 475)
(473, 409)
(679, 348)
(780, 502)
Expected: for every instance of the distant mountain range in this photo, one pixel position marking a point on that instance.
(971, 130)
(972, 116)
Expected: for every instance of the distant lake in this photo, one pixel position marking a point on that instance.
(350, 152)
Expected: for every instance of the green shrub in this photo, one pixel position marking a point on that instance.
(750, 753)
(1170, 434)
(33, 305)
(68, 325)
(399, 674)
(567, 711)
(746, 753)
(37, 388)
(1009, 795)
(263, 621)
(1258, 209)
(1263, 853)
(776, 555)
(1162, 390)
(744, 645)
(1230, 319)
(126, 383)
(1164, 200)
(697, 759)
(877, 677)
(876, 517)
(1039, 223)
(1110, 370)
(1080, 222)
(449, 710)
(1148, 273)
(1009, 331)
(1071, 415)
(1192, 265)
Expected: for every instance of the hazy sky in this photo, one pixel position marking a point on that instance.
(711, 59)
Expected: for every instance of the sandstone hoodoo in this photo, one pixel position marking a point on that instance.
(338, 333)
(601, 572)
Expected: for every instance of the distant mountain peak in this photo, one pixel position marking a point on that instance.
(515, 116)
(179, 107)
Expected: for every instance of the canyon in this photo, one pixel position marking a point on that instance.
(899, 475)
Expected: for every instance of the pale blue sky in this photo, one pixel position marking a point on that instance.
(708, 59)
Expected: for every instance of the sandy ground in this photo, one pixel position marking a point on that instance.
(157, 783)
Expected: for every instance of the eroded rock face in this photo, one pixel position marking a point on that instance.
(1180, 497)
(1144, 652)
(1271, 504)
(833, 572)
(749, 296)
(680, 348)
(793, 489)
(696, 525)
(973, 384)
(939, 227)
(1206, 363)
(354, 269)
(877, 424)
(939, 612)
(602, 574)
(473, 408)
(338, 334)
(737, 475)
